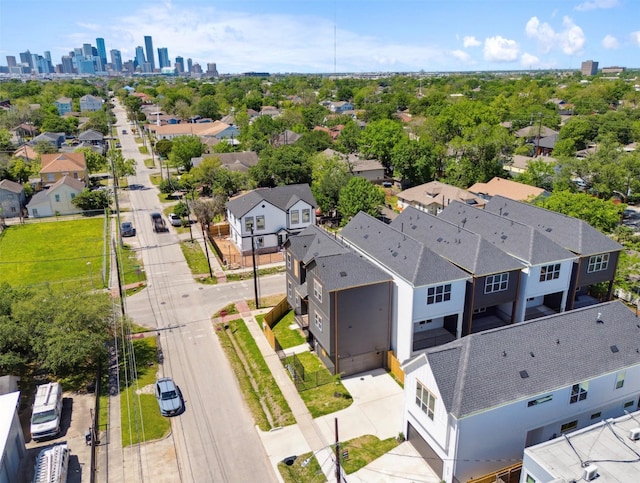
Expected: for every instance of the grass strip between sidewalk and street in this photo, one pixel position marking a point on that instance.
(263, 396)
(196, 260)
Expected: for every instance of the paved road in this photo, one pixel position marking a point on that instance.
(214, 439)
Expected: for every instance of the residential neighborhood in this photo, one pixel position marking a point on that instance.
(335, 276)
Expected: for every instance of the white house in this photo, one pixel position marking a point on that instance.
(473, 405)
(274, 214)
(57, 199)
(90, 103)
(12, 448)
(429, 291)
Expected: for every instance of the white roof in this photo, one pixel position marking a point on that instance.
(8, 405)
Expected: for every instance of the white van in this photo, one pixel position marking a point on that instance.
(47, 411)
(52, 465)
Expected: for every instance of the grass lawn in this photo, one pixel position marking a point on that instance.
(229, 309)
(195, 258)
(54, 252)
(236, 277)
(363, 450)
(310, 473)
(286, 336)
(148, 162)
(155, 179)
(131, 266)
(135, 406)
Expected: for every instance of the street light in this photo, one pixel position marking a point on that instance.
(90, 274)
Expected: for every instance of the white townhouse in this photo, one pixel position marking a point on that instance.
(473, 405)
(429, 291)
(274, 214)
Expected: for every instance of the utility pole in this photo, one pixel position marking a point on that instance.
(539, 132)
(337, 452)
(255, 271)
(120, 293)
(206, 250)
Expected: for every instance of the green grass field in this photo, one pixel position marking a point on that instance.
(61, 251)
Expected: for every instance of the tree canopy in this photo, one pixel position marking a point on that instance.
(359, 195)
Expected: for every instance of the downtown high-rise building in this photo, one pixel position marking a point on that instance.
(87, 50)
(140, 60)
(189, 65)
(67, 64)
(163, 57)
(148, 44)
(589, 67)
(179, 63)
(102, 51)
(25, 58)
(116, 60)
(11, 61)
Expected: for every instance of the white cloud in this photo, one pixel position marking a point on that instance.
(462, 56)
(570, 40)
(596, 4)
(470, 41)
(635, 37)
(529, 61)
(499, 49)
(610, 42)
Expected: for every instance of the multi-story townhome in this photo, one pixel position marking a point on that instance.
(64, 105)
(486, 306)
(428, 293)
(474, 404)
(543, 282)
(90, 103)
(596, 254)
(57, 165)
(12, 199)
(268, 216)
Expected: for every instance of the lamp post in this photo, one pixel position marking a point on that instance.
(90, 275)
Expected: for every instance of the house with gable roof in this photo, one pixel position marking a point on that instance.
(64, 105)
(434, 196)
(474, 404)
(507, 188)
(57, 165)
(90, 103)
(341, 300)
(268, 216)
(56, 199)
(428, 291)
(12, 199)
(542, 286)
(596, 254)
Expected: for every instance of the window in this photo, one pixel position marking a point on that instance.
(530, 479)
(620, 380)
(73, 195)
(496, 283)
(425, 400)
(289, 290)
(596, 415)
(628, 404)
(57, 198)
(540, 400)
(597, 263)
(550, 272)
(295, 217)
(579, 392)
(289, 260)
(306, 215)
(248, 223)
(566, 427)
(317, 320)
(50, 177)
(260, 222)
(259, 241)
(441, 293)
(317, 290)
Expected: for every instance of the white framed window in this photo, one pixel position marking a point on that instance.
(317, 290)
(496, 283)
(620, 380)
(259, 241)
(295, 217)
(248, 223)
(306, 215)
(317, 320)
(289, 289)
(598, 263)
(260, 222)
(441, 293)
(579, 392)
(425, 400)
(57, 196)
(570, 426)
(530, 479)
(550, 272)
(540, 400)
(73, 195)
(289, 260)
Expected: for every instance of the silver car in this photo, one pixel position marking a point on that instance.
(169, 397)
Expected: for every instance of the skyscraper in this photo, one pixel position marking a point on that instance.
(148, 43)
(87, 51)
(179, 63)
(102, 51)
(116, 60)
(25, 58)
(11, 61)
(67, 64)
(189, 65)
(140, 60)
(589, 67)
(163, 57)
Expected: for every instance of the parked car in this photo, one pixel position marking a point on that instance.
(175, 220)
(169, 397)
(118, 145)
(127, 229)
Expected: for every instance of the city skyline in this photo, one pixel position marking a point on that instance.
(353, 36)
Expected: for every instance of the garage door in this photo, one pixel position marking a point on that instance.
(434, 461)
(361, 363)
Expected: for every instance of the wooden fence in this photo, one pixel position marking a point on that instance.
(394, 367)
(510, 474)
(276, 313)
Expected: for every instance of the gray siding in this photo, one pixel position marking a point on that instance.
(585, 278)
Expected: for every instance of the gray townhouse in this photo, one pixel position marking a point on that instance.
(342, 300)
(543, 285)
(485, 263)
(596, 254)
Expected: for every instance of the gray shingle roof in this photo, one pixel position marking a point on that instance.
(521, 241)
(466, 249)
(313, 242)
(571, 233)
(556, 351)
(7, 184)
(399, 253)
(282, 197)
(346, 270)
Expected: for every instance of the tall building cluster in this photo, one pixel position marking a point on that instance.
(93, 60)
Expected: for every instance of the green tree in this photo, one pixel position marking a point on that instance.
(378, 139)
(44, 147)
(92, 201)
(330, 175)
(314, 141)
(183, 149)
(359, 195)
(349, 138)
(538, 173)
(282, 166)
(121, 167)
(414, 161)
(207, 106)
(163, 147)
(96, 162)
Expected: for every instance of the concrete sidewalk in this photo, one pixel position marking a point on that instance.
(376, 409)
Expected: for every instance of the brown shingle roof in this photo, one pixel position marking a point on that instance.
(507, 188)
(62, 162)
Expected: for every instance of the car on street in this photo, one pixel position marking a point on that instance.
(124, 131)
(118, 145)
(169, 397)
(127, 229)
(175, 220)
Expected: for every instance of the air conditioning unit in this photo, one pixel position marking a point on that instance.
(590, 473)
(634, 434)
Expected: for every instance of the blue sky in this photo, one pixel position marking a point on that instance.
(370, 35)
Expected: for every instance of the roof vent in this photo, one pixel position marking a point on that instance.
(614, 348)
(634, 434)
(504, 353)
(366, 236)
(548, 230)
(532, 354)
(439, 239)
(558, 341)
(524, 374)
(343, 274)
(599, 319)
(590, 473)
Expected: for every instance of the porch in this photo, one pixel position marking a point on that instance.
(431, 338)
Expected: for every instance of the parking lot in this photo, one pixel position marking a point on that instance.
(76, 420)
